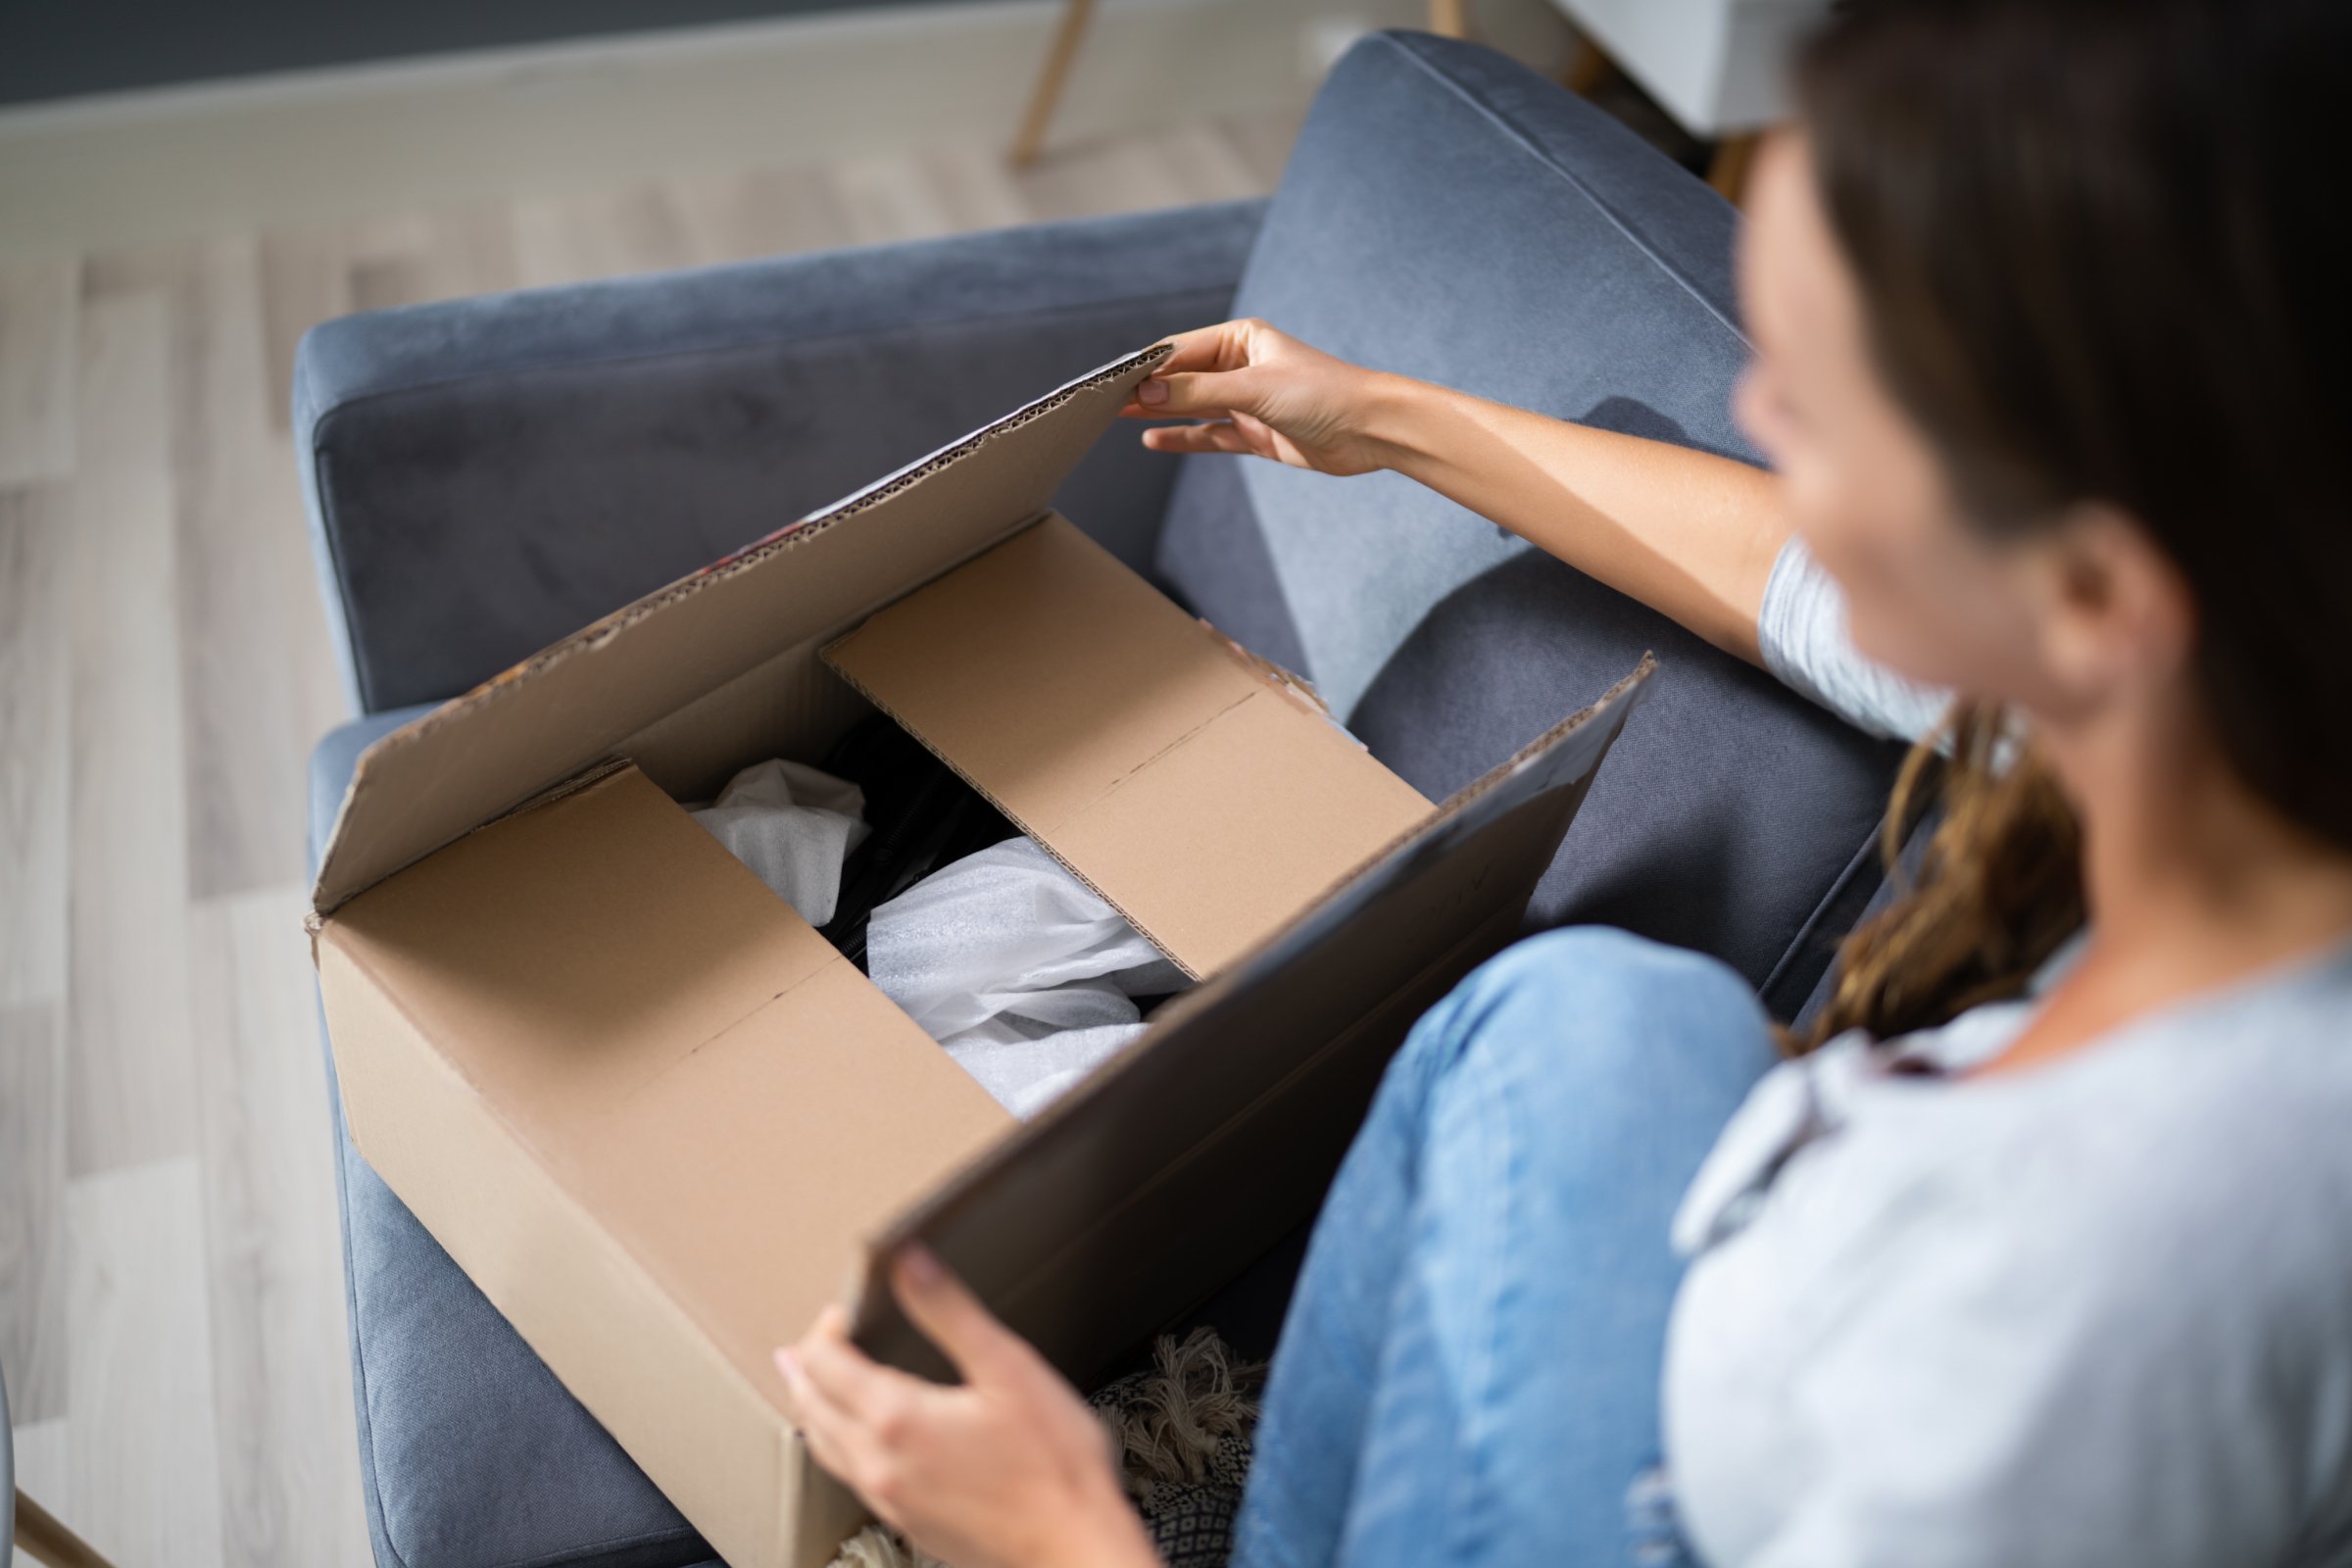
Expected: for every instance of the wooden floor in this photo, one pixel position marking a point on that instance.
(171, 1297)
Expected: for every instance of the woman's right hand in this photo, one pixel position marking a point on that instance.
(1262, 392)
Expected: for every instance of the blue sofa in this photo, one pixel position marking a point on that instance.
(486, 475)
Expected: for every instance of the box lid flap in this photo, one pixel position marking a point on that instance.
(1086, 1227)
(672, 1044)
(1207, 802)
(566, 707)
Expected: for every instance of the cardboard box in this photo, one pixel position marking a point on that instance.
(661, 1121)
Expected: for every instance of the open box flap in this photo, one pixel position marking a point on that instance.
(675, 1046)
(649, 1111)
(564, 708)
(1206, 800)
(1216, 1130)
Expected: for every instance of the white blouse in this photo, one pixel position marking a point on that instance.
(2095, 1313)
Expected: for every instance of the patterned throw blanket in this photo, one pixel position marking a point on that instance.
(1181, 1428)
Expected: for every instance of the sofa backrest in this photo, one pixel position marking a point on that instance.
(1450, 215)
(485, 475)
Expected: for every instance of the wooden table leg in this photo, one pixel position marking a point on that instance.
(1449, 18)
(1032, 139)
(1589, 68)
(1727, 171)
(42, 1539)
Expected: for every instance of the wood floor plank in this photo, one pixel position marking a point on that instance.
(975, 186)
(257, 677)
(289, 1465)
(41, 1462)
(1264, 140)
(390, 263)
(33, 1192)
(33, 747)
(470, 249)
(39, 302)
(1210, 165)
(775, 212)
(130, 1074)
(415, 258)
(1105, 177)
(142, 1468)
(888, 197)
(570, 239)
(419, 257)
(306, 278)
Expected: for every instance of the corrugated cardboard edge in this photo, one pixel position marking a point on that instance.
(951, 1189)
(1289, 684)
(750, 558)
(1630, 691)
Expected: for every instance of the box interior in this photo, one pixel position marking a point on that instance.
(1200, 799)
(695, 1063)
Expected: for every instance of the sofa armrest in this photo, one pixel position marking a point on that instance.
(486, 475)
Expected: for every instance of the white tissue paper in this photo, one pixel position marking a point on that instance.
(793, 825)
(1020, 970)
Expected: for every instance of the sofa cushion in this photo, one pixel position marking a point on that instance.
(471, 1454)
(486, 475)
(1450, 215)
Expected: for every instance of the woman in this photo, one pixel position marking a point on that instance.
(2040, 1248)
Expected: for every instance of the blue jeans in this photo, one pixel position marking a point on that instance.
(1468, 1373)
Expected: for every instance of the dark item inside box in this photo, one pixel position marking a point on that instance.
(920, 815)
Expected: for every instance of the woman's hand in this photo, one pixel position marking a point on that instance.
(1008, 1470)
(1270, 394)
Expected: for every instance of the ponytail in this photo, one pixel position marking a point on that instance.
(1999, 885)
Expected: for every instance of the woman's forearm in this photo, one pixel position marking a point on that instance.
(1688, 533)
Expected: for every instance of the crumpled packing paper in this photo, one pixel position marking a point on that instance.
(1024, 973)
(794, 825)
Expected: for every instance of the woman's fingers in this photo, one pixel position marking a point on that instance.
(1222, 346)
(951, 1317)
(836, 1438)
(1202, 376)
(1205, 394)
(1218, 437)
(860, 1388)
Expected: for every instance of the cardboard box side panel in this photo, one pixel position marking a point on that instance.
(422, 786)
(817, 1512)
(791, 706)
(705, 1436)
(1248, 1186)
(1058, 1228)
(1044, 669)
(565, 955)
(677, 1047)
(1204, 1218)
(1129, 740)
(1218, 842)
(753, 1170)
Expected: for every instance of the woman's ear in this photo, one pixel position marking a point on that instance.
(2116, 616)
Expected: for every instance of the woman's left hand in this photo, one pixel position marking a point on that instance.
(1008, 1469)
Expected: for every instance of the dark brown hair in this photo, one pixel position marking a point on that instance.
(2103, 257)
